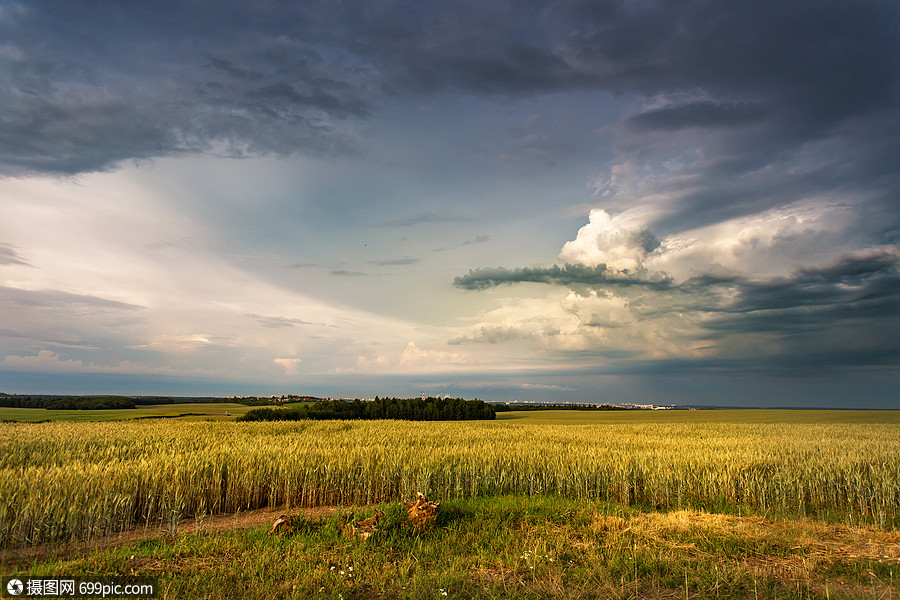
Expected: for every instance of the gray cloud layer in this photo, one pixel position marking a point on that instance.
(697, 114)
(9, 256)
(86, 86)
(570, 275)
(844, 313)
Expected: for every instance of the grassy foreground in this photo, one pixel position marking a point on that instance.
(508, 547)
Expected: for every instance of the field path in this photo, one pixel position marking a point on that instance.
(240, 520)
(210, 524)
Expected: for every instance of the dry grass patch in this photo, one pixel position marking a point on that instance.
(609, 523)
(805, 555)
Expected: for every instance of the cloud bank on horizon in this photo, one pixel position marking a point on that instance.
(625, 201)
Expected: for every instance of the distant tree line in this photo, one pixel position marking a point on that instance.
(115, 402)
(404, 409)
(68, 402)
(145, 400)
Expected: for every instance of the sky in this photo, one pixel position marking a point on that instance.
(577, 201)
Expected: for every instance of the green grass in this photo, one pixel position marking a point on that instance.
(509, 547)
(664, 417)
(192, 411)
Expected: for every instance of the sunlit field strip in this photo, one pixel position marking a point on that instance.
(745, 416)
(61, 481)
(195, 410)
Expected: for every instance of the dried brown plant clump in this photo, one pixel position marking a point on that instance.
(282, 523)
(420, 511)
(364, 528)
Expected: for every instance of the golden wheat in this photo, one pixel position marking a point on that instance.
(61, 481)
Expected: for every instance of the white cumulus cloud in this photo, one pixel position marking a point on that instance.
(619, 243)
(291, 366)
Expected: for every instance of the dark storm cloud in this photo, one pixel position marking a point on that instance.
(804, 362)
(864, 283)
(860, 277)
(698, 114)
(283, 91)
(817, 62)
(861, 289)
(762, 80)
(748, 175)
(506, 69)
(228, 68)
(85, 86)
(764, 84)
(568, 275)
(843, 313)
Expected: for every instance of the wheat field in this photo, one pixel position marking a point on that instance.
(63, 481)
